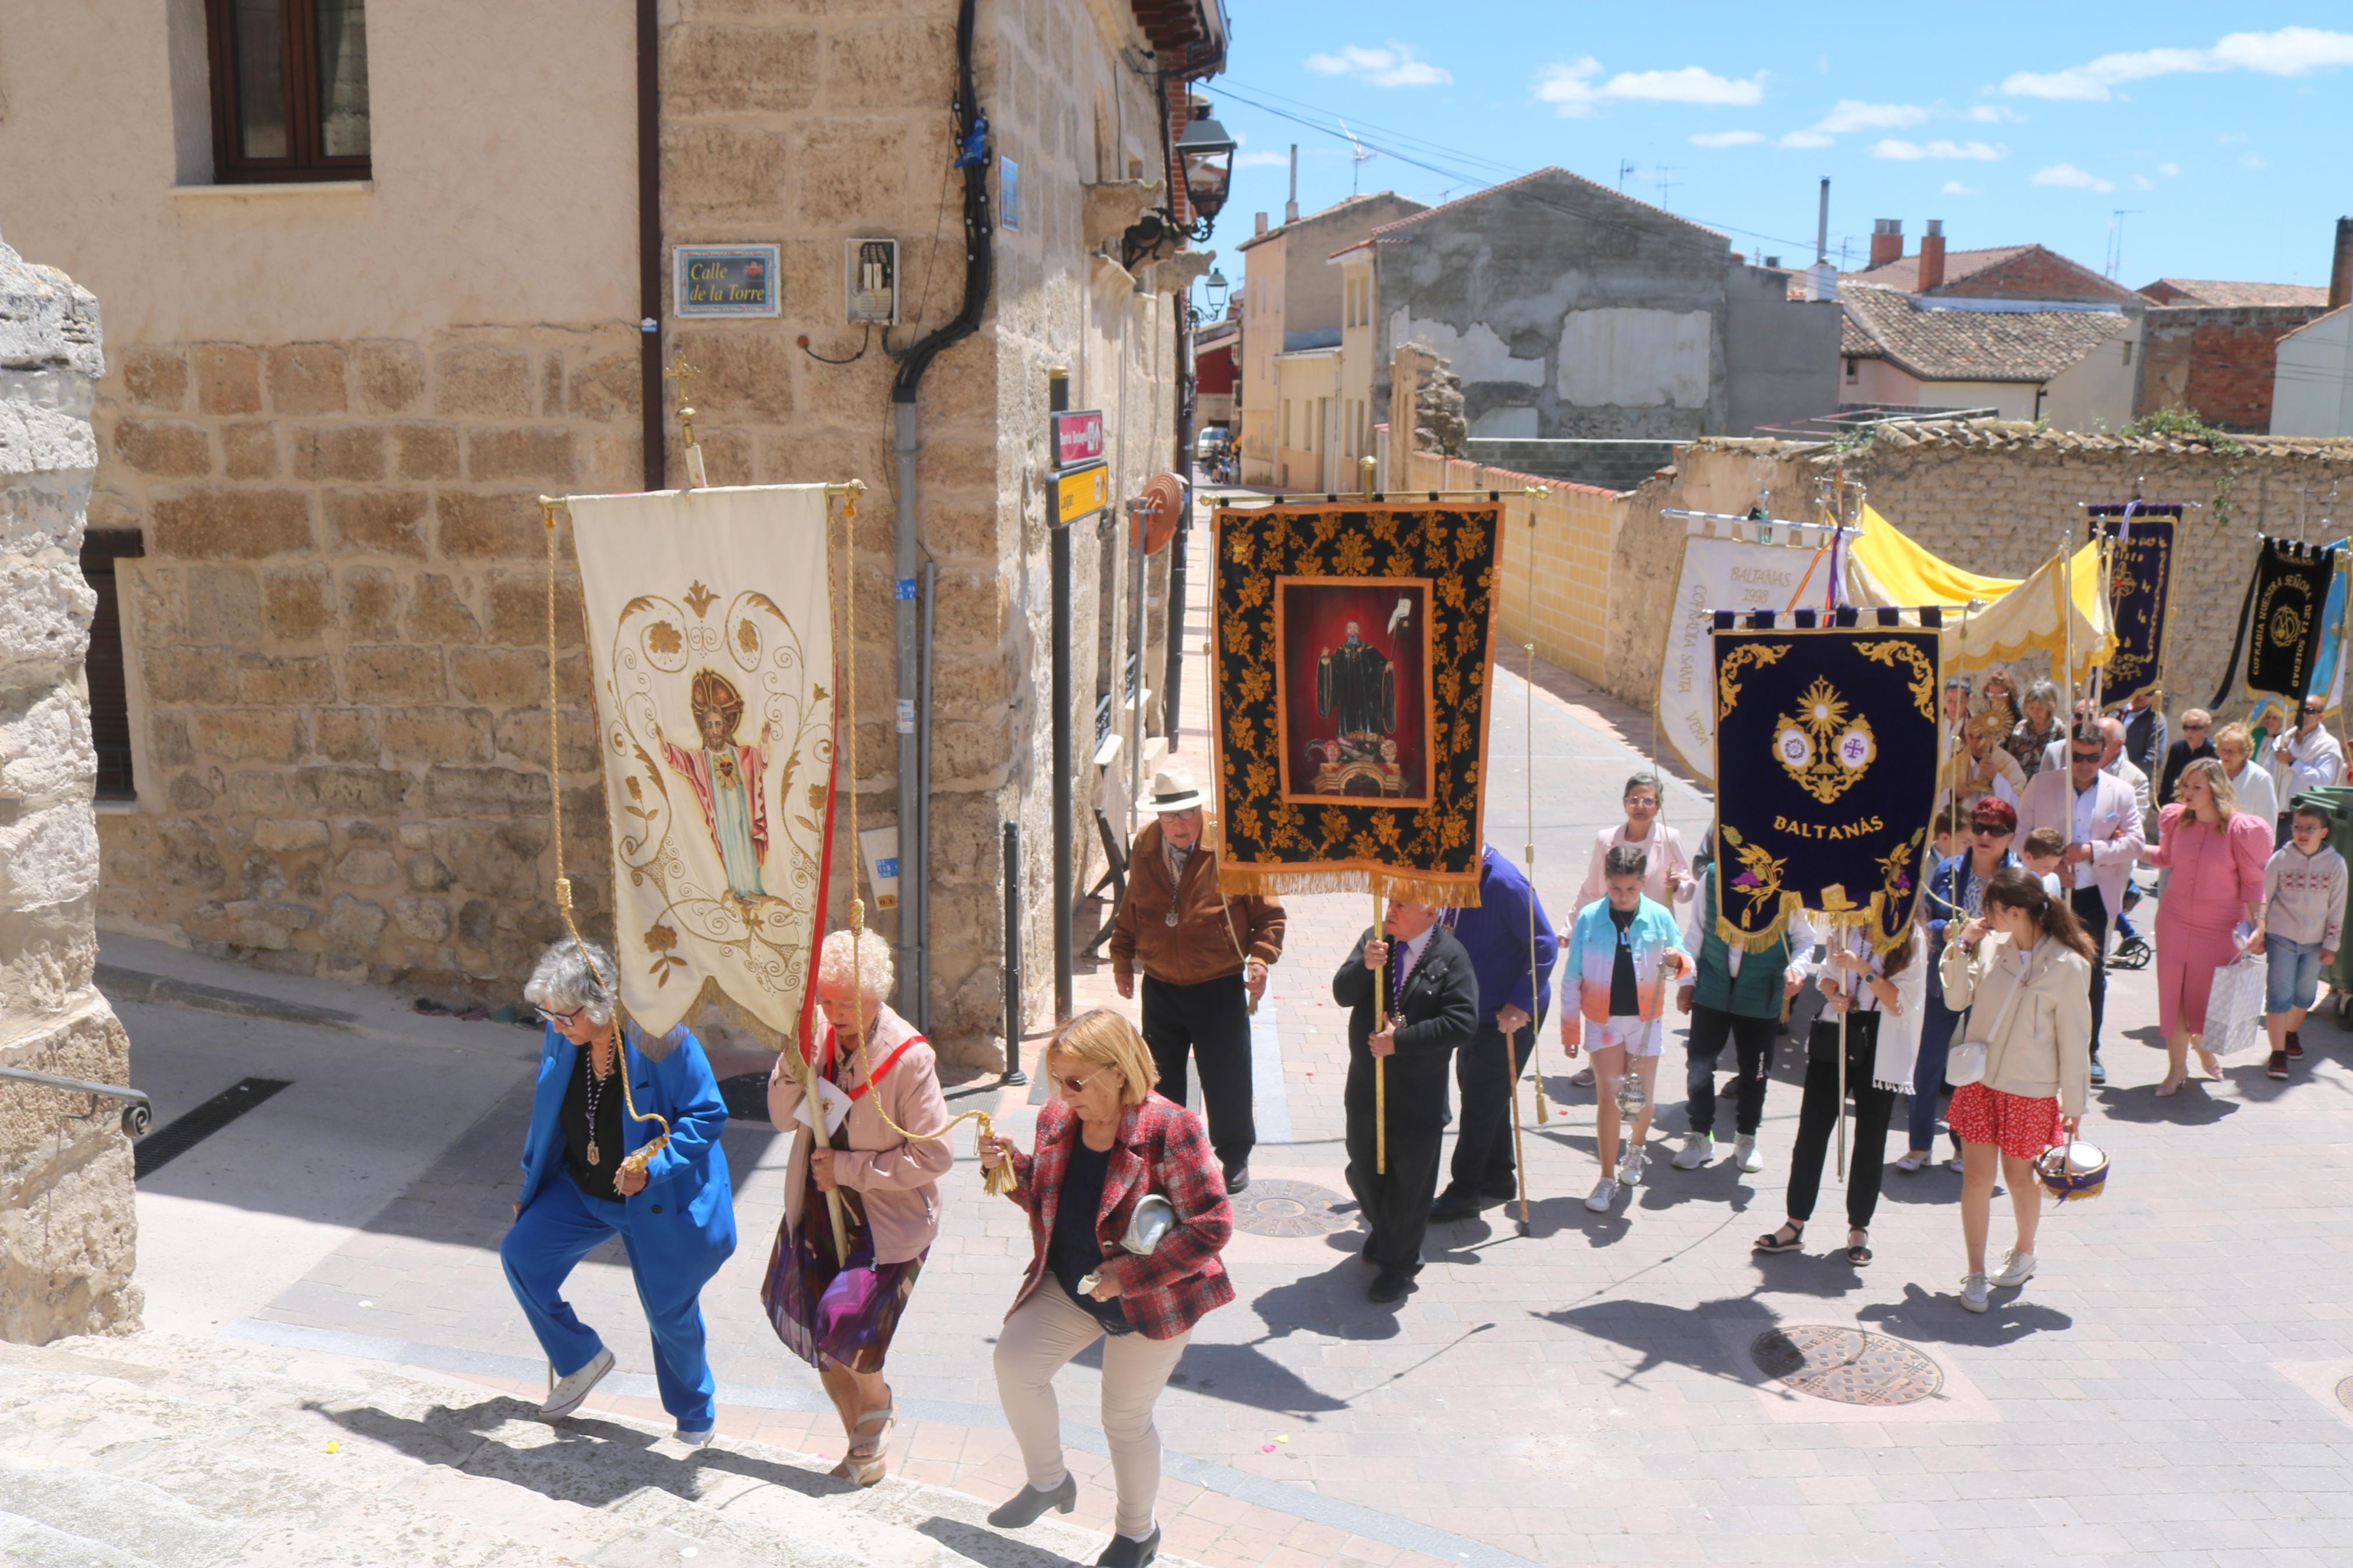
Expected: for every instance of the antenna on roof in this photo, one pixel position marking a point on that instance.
(1664, 178)
(2116, 239)
(1624, 169)
(1357, 153)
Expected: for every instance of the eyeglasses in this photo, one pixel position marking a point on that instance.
(562, 1020)
(1076, 1085)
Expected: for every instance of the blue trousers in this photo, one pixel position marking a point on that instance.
(561, 1227)
(1936, 1025)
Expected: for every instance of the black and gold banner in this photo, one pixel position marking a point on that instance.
(2283, 617)
(1831, 732)
(1350, 653)
(2140, 586)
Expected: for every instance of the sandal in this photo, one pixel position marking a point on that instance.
(868, 1467)
(1771, 1241)
(1859, 1252)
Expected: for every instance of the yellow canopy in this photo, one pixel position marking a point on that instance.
(2018, 616)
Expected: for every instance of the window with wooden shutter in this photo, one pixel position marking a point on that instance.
(290, 83)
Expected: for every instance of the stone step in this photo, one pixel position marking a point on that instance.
(155, 1451)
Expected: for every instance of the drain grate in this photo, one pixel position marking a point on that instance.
(182, 1133)
(2345, 1394)
(1846, 1366)
(1288, 1208)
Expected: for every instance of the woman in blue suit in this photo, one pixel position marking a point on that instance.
(676, 1217)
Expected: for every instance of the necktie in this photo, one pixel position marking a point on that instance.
(1396, 969)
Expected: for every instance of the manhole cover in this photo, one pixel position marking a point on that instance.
(2345, 1394)
(1847, 1366)
(1288, 1208)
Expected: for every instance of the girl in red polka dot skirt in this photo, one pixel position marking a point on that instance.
(2023, 969)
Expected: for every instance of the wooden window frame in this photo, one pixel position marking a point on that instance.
(306, 161)
(108, 682)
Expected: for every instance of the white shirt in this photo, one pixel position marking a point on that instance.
(2087, 802)
(2256, 791)
(2313, 761)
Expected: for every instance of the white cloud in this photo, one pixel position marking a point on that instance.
(1804, 139)
(1994, 114)
(1689, 85)
(2069, 177)
(1394, 64)
(1575, 91)
(1955, 188)
(1727, 138)
(1853, 114)
(1568, 86)
(1907, 152)
(2143, 182)
(2254, 161)
(2169, 170)
(2288, 51)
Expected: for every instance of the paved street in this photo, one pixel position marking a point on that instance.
(2164, 1392)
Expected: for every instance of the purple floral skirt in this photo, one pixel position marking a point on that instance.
(834, 1313)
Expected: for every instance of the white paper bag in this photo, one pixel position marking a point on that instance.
(836, 1106)
(2235, 1007)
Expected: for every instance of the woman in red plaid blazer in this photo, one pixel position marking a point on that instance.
(1105, 1140)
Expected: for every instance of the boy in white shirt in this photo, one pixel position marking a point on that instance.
(2304, 919)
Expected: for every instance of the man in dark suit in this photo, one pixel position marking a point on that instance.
(1431, 1000)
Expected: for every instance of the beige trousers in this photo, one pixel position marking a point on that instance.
(1048, 1330)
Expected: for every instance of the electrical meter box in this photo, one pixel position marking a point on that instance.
(871, 282)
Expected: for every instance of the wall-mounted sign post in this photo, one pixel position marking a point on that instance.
(726, 280)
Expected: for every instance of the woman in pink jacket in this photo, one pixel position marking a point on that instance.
(837, 1317)
(2217, 855)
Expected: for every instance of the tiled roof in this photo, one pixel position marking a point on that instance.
(1904, 271)
(1975, 346)
(1856, 343)
(2020, 435)
(1548, 172)
(2221, 292)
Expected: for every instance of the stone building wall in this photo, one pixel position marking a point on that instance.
(67, 1224)
(336, 641)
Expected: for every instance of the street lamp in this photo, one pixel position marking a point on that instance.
(1214, 286)
(1206, 154)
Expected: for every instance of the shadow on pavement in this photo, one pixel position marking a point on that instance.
(1939, 1319)
(2193, 1106)
(1239, 1374)
(1692, 1337)
(1332, 1303)
(1822, 1271)
(985, 1546)
(593, 1463)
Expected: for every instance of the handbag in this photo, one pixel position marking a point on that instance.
(1965, 1062)
(2234, 1007)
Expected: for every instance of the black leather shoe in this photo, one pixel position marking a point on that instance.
(1390, 1285)
(1024, 1506)
(1238, 1177)
(1124, 1554)
(1500, 1194)
(1454, 1206)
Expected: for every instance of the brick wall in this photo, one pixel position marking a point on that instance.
(2217, 362)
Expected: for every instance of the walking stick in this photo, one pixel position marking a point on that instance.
(1535, 1023)
(1843, 1014)
(1380, 1064)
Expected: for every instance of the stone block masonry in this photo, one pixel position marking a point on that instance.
(337, 643)
(66, 1225)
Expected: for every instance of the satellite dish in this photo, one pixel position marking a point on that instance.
(1160, 506)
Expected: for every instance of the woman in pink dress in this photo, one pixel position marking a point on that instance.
(2217, 854)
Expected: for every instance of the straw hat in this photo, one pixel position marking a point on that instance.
(1173, 790)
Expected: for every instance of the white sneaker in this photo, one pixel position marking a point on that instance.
(1630, 1165)
(1584, 1079)
(1751, 1158)
(1973, 1293)
(1698, 1148)
(1605, 1193)
(2016, 1268)
(565, 1396)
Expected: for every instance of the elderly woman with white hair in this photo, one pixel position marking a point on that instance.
(879, 1082)
(673, 1210)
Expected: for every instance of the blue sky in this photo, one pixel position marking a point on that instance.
(2226, 139)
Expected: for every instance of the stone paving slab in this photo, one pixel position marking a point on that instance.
(1585, 1393)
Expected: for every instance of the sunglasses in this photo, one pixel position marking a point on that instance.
(2188, 725)
(2088, 756)
(1076, 1085)
(1989, 829)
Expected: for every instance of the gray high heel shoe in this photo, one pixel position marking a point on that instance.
(1024, 1506)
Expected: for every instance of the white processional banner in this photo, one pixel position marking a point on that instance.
(710, 648)
(1735, 566)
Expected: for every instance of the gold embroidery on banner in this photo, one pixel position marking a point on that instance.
(1924, 675)
(1822, 746)
(1727, 689)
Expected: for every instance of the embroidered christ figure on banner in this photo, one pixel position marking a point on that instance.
(726, 777)
(1357, 688)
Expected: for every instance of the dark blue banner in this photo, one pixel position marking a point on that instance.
(1826, 742)
(2140, 587)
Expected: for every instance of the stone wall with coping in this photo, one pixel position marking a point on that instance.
(67, 1221)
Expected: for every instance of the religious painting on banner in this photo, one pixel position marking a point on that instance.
(1833, 731)
(1350, 655)
(2140, 586)
(710, 655)
(2283, 617)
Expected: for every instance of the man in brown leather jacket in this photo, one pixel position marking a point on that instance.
(1204, 958)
